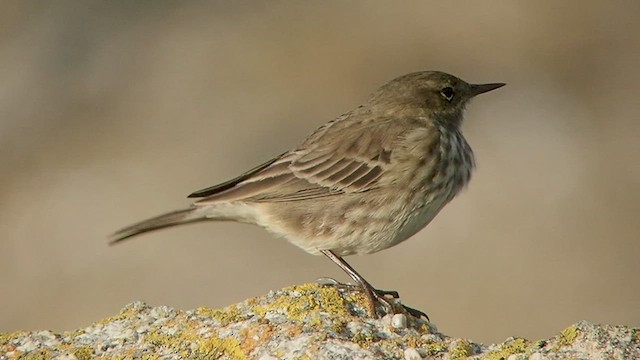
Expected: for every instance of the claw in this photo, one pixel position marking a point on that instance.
(416, 313)
(327, 281)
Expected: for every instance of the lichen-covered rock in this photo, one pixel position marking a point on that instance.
(302, 322)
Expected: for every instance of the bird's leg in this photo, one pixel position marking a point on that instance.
(370, 292)
(374, 296)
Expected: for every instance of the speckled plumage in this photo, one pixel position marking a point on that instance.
(361, 183)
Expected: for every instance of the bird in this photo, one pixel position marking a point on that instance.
(361, 183)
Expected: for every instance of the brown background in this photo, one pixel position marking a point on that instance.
(111, 112)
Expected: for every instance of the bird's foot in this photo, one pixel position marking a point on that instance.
(382, 299)
(376, 298)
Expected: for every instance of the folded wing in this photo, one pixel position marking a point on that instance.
(335, 160)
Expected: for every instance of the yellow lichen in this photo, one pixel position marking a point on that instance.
(362, 339)
(510, 347)
(300, 302)
(226, 316)
(461, 349)
(358, 297)
(392, 344)
(339, 326)
(205, 346)
(6, 337)
(83, 353)
(567, 336)
(435, 348)
(217, 347)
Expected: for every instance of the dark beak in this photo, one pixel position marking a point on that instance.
(477, 89)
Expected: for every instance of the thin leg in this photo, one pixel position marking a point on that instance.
(374, 295)
(370, 292)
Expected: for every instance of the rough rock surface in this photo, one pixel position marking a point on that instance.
(301, 322)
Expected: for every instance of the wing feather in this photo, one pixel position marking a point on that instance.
(346, 171)
(212, 190)
(341, 157)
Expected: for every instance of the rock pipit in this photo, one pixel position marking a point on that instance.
(361, 183)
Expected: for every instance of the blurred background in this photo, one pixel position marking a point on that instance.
(114, 111)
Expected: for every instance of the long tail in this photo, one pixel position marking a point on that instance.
(178, 217)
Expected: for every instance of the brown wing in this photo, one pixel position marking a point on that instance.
(341, 157)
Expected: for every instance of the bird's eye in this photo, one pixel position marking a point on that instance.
(447, 93)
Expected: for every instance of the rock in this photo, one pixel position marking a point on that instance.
(411, 354)
(301, 322)
(399, 321)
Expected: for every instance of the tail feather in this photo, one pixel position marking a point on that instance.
(178, 217)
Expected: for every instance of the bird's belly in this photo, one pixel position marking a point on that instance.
(378, 234)
(417, 220)
(352, 227)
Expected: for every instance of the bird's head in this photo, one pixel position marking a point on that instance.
(437, 95)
